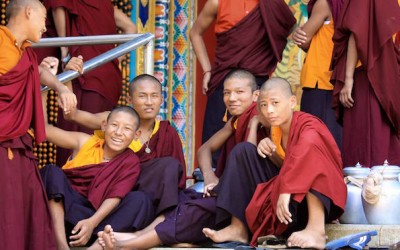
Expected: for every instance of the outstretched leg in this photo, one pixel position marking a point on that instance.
(236, 231)
(313, 236)
(57, 215)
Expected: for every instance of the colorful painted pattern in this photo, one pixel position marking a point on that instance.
(169, 21)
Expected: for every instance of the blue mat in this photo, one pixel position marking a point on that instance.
(356, 241)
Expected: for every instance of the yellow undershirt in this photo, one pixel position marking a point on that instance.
(276, 137)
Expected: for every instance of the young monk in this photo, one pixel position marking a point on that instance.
(93, 188)
(310, 182)
(25, 219)
(159, 148)
(240, 95)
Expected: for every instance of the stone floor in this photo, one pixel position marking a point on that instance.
(387, 235)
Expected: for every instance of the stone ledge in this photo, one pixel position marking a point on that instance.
(387, 234)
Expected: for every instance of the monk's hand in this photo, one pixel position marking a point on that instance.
(51, 64)
(66, 98)
(206, 80)
(299, 36)
(345, 94)
(210, 181)
(81, 233)
(266, 147)
(76, 64)
(282, 209)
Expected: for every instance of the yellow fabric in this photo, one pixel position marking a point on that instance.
(318, 59)
(276, 137)
(10, 53)
(235, 124)
(135, 145)
(90, 153)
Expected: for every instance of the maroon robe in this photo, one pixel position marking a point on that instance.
(24, 214)
(375, 114)
(88, 18)
(255, 43)
(21, 101)
(312, 161)
(165, 142)
(106, 180)
(239, 135)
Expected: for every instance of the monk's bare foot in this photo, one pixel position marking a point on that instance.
(307, 238)
(106, 238)
(228, 233)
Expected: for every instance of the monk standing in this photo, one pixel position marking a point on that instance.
(366, 66)
(315, 38)
(25, 219)
(251, 35)
(310, 181)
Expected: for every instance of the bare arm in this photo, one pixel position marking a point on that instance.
(303, 35)
(123, 22)
(85, 227)
(60, 24)
(351, 62)
(204, 154)
(204, 20)
(87, 119)
(66, 99)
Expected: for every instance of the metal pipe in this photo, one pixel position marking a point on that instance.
(85, 40)
(109, 56)
(149, 58)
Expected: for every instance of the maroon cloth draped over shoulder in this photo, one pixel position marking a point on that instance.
(21, 101)
(255, 43)
(312, 161)
(373, 24)
(106, 180)
(239, 135)
(165, 142)
(88, 18)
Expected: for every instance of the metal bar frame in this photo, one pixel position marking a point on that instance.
(130, 42)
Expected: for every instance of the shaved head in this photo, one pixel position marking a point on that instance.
(243, 75)
(15, 6)
(143, 77)
(277, 83)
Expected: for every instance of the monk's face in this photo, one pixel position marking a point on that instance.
(36, 15)
(119, 131)
(276, 107)
(238, 95)
(146, 99)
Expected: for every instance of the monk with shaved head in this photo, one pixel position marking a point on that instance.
(24, 215)
(309, 189)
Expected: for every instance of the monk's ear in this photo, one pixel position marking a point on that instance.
(137, 134)
(103, 125)
(293, 102)
(128, 99)
(256, 93)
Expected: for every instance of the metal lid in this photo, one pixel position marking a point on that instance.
(357, 171)
(387, 171)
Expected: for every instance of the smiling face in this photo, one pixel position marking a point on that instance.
(36, 14)
(119, 131)
(146, 98)
(276, 106)
(238, 95)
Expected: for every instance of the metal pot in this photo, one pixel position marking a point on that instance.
(354, 211)
(386, 210)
